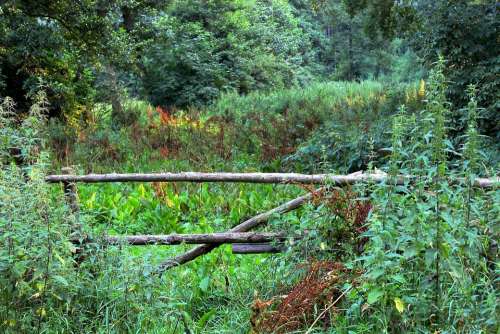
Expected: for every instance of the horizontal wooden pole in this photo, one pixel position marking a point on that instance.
(260, 248)
(338, 180)
(201, 177)
(177, 239)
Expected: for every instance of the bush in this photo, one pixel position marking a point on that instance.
(355, 134)
(431, 259)
(420, 256)
(272, 125)
(43, 286)
(209, 48)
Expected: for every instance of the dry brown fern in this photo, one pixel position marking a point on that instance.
(307, 298)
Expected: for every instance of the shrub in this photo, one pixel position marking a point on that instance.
(430, 262)
(354, 134)
(272, 125)
(43, 288)
(427, 253)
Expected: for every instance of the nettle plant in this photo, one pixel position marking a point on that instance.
(31, 251)
(43, 287)
(431, 259)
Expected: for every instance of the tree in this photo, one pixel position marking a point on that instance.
(347, 49)
(208, 47)
(464, 32)
(60, 46)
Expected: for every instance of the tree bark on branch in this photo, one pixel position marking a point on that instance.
(336, 180)
(177, 239)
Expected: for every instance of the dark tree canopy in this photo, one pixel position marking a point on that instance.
(188, 53)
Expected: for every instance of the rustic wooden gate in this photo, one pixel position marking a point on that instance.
(243, 241)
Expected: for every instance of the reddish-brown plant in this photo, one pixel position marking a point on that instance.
(307, 299)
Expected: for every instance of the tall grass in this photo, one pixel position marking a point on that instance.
(259, 127)
(319, 98)
(414, 258)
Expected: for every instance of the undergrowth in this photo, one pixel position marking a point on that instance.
(419, 256)
(429, 255)
(430, 262)
(258, 131)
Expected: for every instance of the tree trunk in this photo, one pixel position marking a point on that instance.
(350, 51)
(114, 96)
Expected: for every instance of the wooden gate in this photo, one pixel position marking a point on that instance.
(243, 241)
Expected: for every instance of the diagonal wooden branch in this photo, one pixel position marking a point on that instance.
(243, 227)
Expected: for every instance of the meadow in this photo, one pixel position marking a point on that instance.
(372, 257)
(398, 99)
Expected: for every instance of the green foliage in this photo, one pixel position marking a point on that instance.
(19, 142)
(465, 34)
(62, 48)
(350, 47)
(472, 144)
(36, 52)
(42, 288)
(257, 127)
(274, 124)
(355, 134)
(182, 53)
(431, 259)
(129, 115)
(434, 231)
(208, 48)
(250, 79)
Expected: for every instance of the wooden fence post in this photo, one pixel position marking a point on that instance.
(71, 195)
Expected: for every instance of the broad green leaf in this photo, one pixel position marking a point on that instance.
(61, 280)
(375, 295)
(374, 274)
(410, 252)
(204, 284)
(399, 278)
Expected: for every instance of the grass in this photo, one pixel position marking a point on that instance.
(215, 292)
(433, 231)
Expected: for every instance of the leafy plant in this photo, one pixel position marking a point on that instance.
(422, 239)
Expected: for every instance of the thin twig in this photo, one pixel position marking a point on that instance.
(326, 310)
